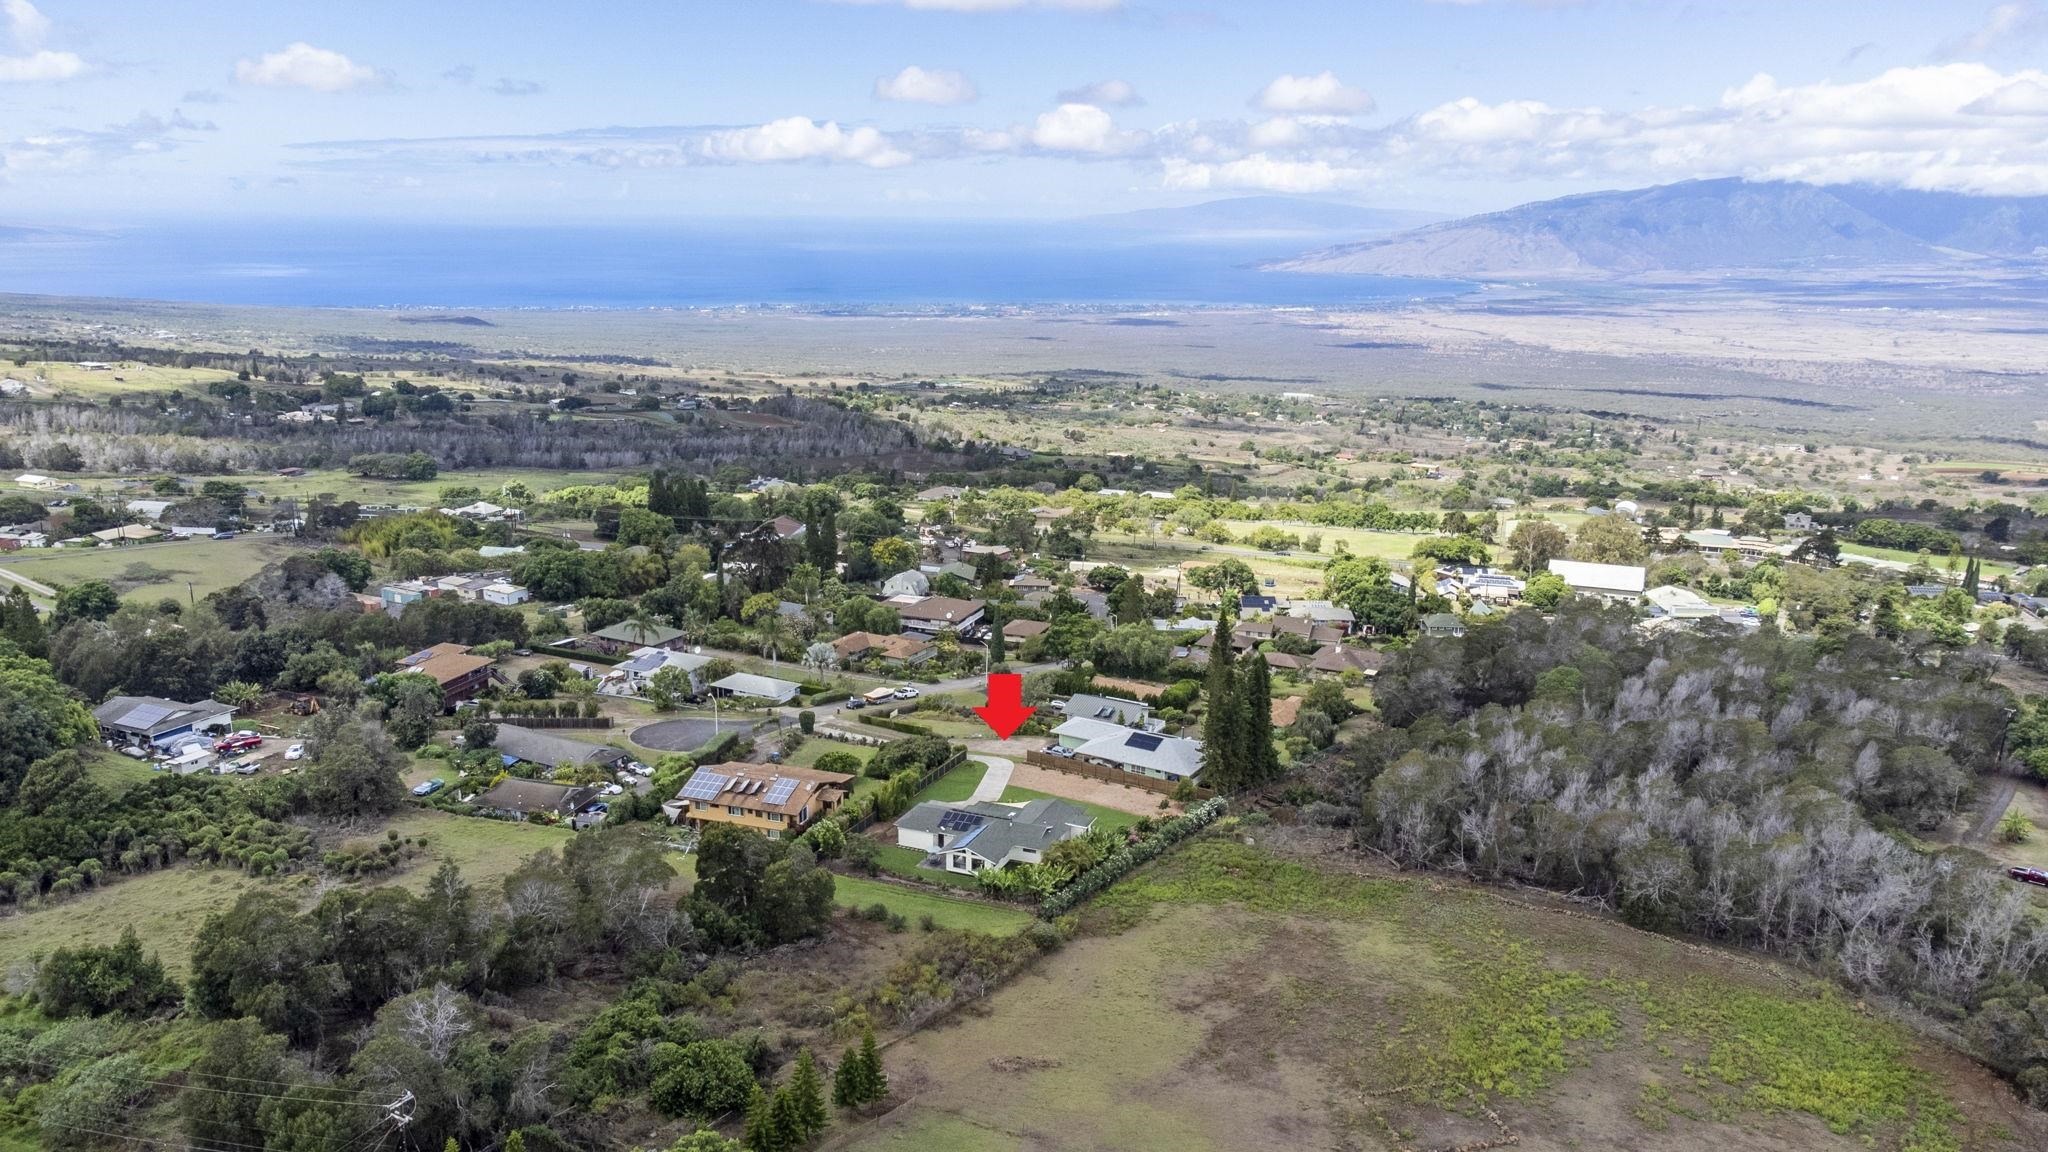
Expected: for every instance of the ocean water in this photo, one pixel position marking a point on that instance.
(820, 264)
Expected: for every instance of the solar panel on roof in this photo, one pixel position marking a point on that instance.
(780, 791)
(958, 821)
(417, 657)
(705, 786)
(142, 716)
(1144, 741)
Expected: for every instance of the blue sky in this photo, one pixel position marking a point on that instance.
(522, 111)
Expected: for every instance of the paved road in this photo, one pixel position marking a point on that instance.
(961, 684)
(34, 586)
(994, 780)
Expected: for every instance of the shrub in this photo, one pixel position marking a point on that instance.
(2014, 827)
(807, 720)
(1121, 862)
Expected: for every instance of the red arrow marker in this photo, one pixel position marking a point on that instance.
(1006, 709)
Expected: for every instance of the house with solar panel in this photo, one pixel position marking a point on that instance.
(968, 838)
(776, 800)
(151, 721)
(1154, 754)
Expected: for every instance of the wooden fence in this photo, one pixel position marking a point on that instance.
(924, 781)
(554, 721)
(1078, 767)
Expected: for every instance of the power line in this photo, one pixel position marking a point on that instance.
(175, 1086)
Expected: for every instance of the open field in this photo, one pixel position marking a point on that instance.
(1992, 569)
(165, 909)
(487, 851)
(2030, 799)
(968, 915)
(154, 571)
(1227, 998)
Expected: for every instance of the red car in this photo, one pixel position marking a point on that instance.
(2029, 875)
(239, 742)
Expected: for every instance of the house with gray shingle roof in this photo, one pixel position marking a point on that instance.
(967, 838)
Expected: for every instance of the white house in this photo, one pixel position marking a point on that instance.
(759, 687)
(1147, 754)
(149, 509)
(1679, 603)
(630, 677)
(506, 594)
(970, 837)
(38, 481)
(1621, 583)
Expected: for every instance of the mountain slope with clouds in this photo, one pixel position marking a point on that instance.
(1704, 225)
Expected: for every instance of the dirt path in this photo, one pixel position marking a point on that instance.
(34, 586)
(1990, 806)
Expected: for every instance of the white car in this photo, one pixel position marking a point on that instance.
(295, 752)
(613, 789)
(638, 769)
(906, 693)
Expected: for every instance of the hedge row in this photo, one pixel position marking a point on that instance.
(892, 725)
(829, 698)
(1121, 862)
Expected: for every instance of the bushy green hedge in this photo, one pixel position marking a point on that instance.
(1121, 862)
(893, 725)
(829, 698)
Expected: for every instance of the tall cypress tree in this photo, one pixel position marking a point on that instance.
(997, 650)
(807, 1089)
(760, 1132)
(1261, 759)
(1220, 739)
(846, 1080)
(874, 1081)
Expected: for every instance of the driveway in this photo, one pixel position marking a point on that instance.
(974, 684)
(994, 780)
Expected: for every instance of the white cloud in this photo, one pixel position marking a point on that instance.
(1321, 94)
(91, 149)
(300, 65)
(39, 66)
(27, 27)
(1080, 128)
(2007, 26)
(915, 85)
(1103, 94)
(800, 138)
(509, 86)
(25, 24)
(1258, 172)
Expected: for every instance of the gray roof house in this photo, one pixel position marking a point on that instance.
(909, 582)
(761, 687)
(522, 799)
(1112, 708)
(967, 838)
(536, 747)
(1151, 754)
(154, 720)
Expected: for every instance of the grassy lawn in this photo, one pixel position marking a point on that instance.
(487, 851)
(165, 908)
(1104, 817)
(955, 786)
(156, 571)
(969, 915)
(1232, 999)
(904, 862)
(1992, 568)
(813, 748)
(113, 771)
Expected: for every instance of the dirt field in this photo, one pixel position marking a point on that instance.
(1230, 999)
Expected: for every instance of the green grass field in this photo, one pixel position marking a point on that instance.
(955, 786)
(487, 851)
(181, 571)
(165, 908)
(1992, 569)
(1104, 817)
(968, 915)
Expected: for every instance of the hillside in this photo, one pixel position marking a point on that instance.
(1703, 225)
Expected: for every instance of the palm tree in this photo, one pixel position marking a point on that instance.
(773, 635)
(643, 623)
(821, 658)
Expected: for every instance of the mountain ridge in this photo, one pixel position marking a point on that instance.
(1703, 225)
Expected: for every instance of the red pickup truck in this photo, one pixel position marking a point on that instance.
(238, 742)
(2029, 875)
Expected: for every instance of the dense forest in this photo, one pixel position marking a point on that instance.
(1772, 791)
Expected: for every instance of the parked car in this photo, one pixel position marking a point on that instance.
(906, 693)
(429, 787)
(613, 789)
(856, 703)
(295, 752)
(638, 769)
(2029, 875)
(238, 742)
